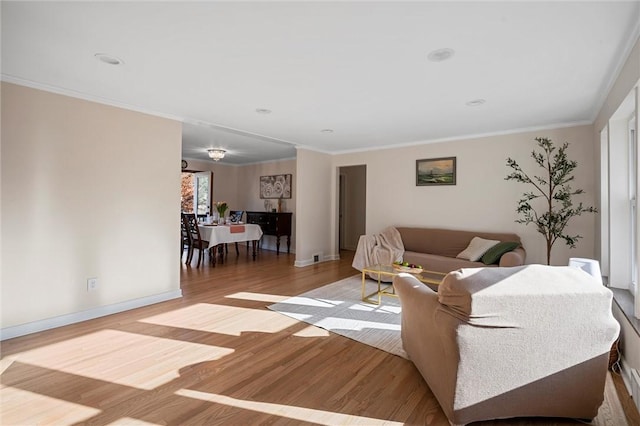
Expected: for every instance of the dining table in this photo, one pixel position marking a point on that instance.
(219, 235)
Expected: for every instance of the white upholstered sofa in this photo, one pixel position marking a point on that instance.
(493, 343)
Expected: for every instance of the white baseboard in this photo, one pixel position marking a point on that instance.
(631, 381)
(307, 262)
(100, 311)
(635, 388)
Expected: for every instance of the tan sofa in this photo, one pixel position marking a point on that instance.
(494, 343)
(436, 249)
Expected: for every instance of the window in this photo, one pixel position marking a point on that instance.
(196, 192)
(618, 199)
(619, 220)
(633, 191)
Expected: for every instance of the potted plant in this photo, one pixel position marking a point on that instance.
(552, 216)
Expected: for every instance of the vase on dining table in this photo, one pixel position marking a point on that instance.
(221, 214)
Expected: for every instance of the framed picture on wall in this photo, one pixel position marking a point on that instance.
(436, 171)
(275, 186)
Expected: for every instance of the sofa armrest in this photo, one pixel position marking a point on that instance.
(513, 258)
(429, 333)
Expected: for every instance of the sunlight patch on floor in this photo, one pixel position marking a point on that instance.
(309, 301)
(333, 323)
(20, 407)
(287, 411)
(230, 320)
(128, 421)
(257, 297)
(6, 363)
(129, 359)
(312, 331)
(385, 309)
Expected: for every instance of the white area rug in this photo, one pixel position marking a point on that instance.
(338, 307)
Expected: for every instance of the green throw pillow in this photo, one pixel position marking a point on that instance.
(494, 254)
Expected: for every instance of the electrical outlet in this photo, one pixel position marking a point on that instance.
(316, 258)
(92, 284)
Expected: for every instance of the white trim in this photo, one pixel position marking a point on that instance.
(468, 136)
(239, 132)
(222, 162)
(79, 95)
(100, 311)
(112, 102)
(617, 69)
(309, 262)
(625, 373)
(297, 146)
(314, 149)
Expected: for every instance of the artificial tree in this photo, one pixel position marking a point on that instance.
(554, 188)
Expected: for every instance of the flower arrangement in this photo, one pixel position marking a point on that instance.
(221, 207)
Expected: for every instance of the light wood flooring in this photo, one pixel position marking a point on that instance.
(218, 356)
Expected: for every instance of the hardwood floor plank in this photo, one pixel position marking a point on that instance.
(219, 356)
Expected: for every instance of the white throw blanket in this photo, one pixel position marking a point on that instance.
(384, 248)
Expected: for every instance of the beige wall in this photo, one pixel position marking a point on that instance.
(88, 190)
(481, 200)
(316, 207)
(225, 180)
(629, 341)
(249, 194)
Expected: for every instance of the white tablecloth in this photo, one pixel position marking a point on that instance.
(222, 234)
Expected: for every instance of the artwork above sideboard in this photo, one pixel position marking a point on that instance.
(275, 186)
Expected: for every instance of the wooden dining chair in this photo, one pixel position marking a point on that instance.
(196, 241)
(185, 238)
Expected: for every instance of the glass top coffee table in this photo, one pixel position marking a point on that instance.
(386, 289)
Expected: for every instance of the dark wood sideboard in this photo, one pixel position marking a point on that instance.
(276, 224)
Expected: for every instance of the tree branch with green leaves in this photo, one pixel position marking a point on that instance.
(553, 188)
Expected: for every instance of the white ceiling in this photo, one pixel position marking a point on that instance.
(358, 68)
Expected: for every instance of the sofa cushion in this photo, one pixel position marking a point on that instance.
(445, 242)
(434, 262)
(494, 254)
(476, 248)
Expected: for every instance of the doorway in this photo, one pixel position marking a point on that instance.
(352, 205)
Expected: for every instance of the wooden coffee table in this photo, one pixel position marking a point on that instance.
(386, 289)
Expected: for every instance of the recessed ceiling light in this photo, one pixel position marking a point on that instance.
(476, 102)
(108, 59)
(440, 55)
(263, 111)
(327, 130)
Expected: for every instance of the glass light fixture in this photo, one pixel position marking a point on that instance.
(216, 154)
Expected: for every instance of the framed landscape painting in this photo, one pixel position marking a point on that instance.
(275, 186)
(436, 171)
